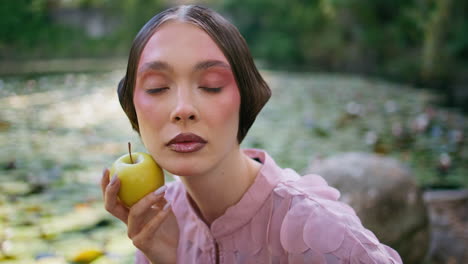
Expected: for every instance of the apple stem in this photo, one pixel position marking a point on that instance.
(130, 152)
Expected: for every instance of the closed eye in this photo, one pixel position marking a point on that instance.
(156, 90)
(211, 89)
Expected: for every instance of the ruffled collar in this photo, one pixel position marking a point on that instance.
(243, 211)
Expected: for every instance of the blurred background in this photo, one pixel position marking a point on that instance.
(378, 86)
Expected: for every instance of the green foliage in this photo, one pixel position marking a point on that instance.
(134, 14)
(21, 20)
(390, 38)
(394, 39)
(27, 26)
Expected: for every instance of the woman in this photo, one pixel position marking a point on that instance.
(192, 92)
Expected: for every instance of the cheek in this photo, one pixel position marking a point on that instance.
(228, 108)
(141, 105)
(138, 101)
(150, 118)
(148, 112)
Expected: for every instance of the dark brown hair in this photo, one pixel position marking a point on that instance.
(254, 91)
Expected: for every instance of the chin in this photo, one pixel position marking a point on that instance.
(183, 168)
(184, 171)
(186, 164)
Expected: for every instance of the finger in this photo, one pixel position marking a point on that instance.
(159, 205)
(156, 197)
(154, 224)
(112, 203)
(145, 210)
(104, 180)
(136, 223)
(148, 231)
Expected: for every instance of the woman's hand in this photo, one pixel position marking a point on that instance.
(151, 225)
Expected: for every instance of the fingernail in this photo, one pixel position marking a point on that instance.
(104, 170)
(160, 190)
(114, 179)
(166, 207)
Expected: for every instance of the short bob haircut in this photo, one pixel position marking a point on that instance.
(254, 91)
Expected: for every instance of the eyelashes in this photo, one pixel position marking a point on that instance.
(163, 89)
(156, 90)
(211, 89)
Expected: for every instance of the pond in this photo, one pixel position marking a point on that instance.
(57, 133)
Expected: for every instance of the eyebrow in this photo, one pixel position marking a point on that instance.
(157, 66)
(164, 66)
(211, 63)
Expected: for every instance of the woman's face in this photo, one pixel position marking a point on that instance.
(187, 100)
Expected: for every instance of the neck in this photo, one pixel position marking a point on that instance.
(223, 186)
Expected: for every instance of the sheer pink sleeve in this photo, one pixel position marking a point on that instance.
(319, 229)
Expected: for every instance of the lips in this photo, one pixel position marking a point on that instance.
(186, 143)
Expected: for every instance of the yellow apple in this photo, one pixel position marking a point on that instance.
(138, 178)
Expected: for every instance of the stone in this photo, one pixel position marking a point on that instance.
(385, 196)
(448, 211)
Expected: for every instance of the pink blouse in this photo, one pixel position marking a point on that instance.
(282, 218)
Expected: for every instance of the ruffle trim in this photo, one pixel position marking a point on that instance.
(318, 222)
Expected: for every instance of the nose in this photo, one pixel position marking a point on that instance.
(185, 109)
